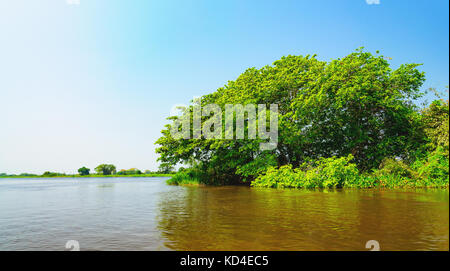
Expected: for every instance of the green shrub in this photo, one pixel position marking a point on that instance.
(52, 174)
(131, 171)
(429, 171)
(278, 178)
(394, 167)
(434, 169)
(337, 172)
(189, 176)
(392, 173)
(28, 175)
(333, 172)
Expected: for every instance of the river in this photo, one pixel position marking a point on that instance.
(147, 214)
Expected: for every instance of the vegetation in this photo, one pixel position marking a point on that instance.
(52, 174)
(27, 175)
(105, 169)
(351, 122)
(323, 173)
(339, 172)
(84, 171)
(131, 171)
(186, 177)
(166, 168)
(101, 169)
(62, 175)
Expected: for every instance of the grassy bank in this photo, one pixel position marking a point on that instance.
(89, 176)
(184, 178)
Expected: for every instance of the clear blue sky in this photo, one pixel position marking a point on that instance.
(88, 83)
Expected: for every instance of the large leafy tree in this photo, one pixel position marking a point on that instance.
(106, 169)
(84, 171)
(355, 105)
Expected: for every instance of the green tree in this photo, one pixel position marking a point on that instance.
(436, 121)
(52, 174)
(354, 105)
(106, 169)
(131, 171)
(27, 174)
(165, 168)
(84, 171)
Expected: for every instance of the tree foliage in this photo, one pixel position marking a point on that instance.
(84, 171)
(105, 169)
(436, 121)
(333, 172)
(165, 168)
(131, 171)
(356, 105)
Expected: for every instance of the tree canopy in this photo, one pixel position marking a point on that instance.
(106, 169)
(84, 171)
(357, 105)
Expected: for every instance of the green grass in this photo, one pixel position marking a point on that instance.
(91, 176)
(183, 178)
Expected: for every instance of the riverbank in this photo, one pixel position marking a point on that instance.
(374, 185)
(431, 171)
(89, 176)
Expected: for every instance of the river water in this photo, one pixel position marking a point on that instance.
(147, 214)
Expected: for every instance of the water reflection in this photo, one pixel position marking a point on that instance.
(240, 218)
(147, 214)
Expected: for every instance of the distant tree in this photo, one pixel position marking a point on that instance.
(131, 171)
(52, 174)
(84, 171)
(436, 121)
(106, 169)
(122, 172)
(3, 174)
(27, 174)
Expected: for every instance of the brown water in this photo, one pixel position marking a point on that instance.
(147, 214)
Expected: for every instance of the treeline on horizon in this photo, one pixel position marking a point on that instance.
(350, 122)
(101, 170)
